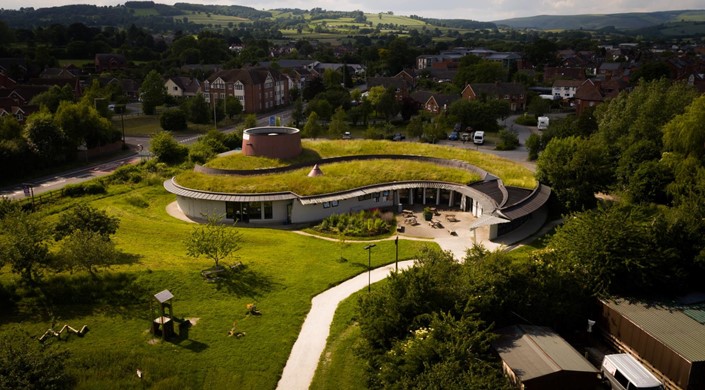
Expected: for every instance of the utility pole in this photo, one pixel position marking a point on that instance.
(368, 248)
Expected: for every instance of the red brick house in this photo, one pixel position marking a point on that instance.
(107, 62)
(258, 89)
(591, 93)
(513, 93)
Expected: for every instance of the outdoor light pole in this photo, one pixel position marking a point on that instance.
(368, 248)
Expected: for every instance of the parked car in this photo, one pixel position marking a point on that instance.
(479, 137)
(453, 136)
(465, 137)
(398, 137)
(347, 135)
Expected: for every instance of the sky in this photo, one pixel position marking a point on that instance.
(482, 10)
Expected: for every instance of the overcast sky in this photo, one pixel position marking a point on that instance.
(483, 10)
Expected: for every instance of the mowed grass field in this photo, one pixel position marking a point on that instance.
(283, 271)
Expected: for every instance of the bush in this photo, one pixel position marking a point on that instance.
(526, 120)
(173, 120)
(534, 145)
(508, 140)
(360, 224)
(126, 174)
(88, 188)
(167, 150)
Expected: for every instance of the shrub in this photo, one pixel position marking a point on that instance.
(126, 174)
(88, 188)
(508, 140)
(173, 120)
(526, 120)
(360, 224)
(167, 150)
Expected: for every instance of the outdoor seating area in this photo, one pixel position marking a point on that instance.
(444, 222)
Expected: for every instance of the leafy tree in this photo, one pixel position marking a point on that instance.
(387, 105)
(434, 131)
(415, 127)
(250, 121)
(81, 123)
(87, 218)
(55, 95)
(166, 149)
(684, 133)
(321, 107)
(233, 107)
(576, 169)
(44, 137)
(24, 245)
(87, 250)
(338, 123)
(298, 113)
(621, 250)
(312, 129)
(538, 106)
(214, 240)
(27, 364)
(173, 120)
(198, 110)
(152, 92)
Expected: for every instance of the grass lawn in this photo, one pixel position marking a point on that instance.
(283, 271)
(340, 368)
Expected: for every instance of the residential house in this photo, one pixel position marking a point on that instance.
(553, 73)
(258, 89)
(593, 92)
(609, 70)
(106, 62)
(565, 89)
(179, 86)
(398, 84)
(435, 103)
(513, 93)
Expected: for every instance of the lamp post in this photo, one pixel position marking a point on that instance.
(368, 248)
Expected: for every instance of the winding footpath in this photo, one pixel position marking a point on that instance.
(303, 360)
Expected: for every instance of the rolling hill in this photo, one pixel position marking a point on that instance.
(624, 21)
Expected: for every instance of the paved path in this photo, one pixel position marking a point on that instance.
(303, 360)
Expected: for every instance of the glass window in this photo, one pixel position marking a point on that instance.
(255, 210)
(267, 210)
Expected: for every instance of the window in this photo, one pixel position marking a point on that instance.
(255, 210)
(239, 87)
(326, 205)
(267, 206)
(334, 203)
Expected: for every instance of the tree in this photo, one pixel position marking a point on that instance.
(415, 127)
(233, 107)
(44, 137)
(27, 364)
(86, 218)
(338, 123)
(214, 240)
(55, 95)
(312, 128)
(82, 124)
(575, 169)
(198, 110)
(684, 133)
(387, 105)
(24, 244)
(298, 112)
(87, 250)
(152, 92)
(173, 120)
(166, 149)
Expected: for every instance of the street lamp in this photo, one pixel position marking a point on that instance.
(396, 257)
(368, 248)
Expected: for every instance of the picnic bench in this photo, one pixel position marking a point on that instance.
(451, 218)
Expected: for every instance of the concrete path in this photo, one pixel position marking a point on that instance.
(303, 360)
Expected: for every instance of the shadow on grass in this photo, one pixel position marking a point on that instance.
(358, 265)
(243, 282)
(68, 296)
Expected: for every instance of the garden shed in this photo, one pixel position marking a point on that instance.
(668, 337)
(535, 357)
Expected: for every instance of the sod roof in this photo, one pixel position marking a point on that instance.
(340, 176)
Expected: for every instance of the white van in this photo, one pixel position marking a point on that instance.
(624, 372)
(478, 138)
(542, 122)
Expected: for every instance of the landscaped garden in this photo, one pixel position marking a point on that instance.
(282, 271)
